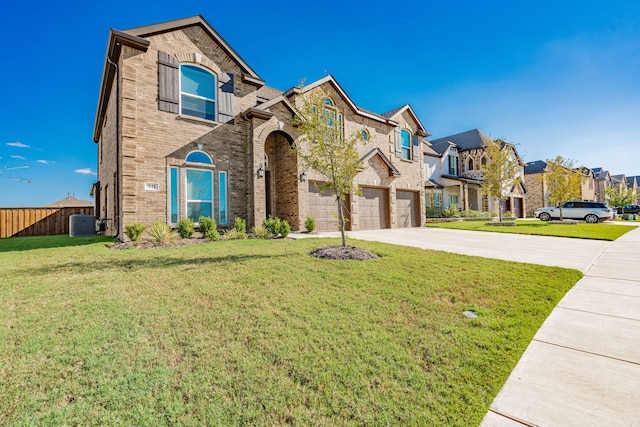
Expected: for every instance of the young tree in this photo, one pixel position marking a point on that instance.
(564, 181)
(326, 150)
(618, 197)
(501, 173)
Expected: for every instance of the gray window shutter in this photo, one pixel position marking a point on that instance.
(416, 147)
(225, 98)
(168, 84)
(398, 142)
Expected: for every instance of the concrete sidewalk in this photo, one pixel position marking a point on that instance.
(583, 366)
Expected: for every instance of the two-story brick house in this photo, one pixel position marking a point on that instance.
(185, 127)
(460, 159)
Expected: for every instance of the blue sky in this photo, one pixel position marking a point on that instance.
(554, 77)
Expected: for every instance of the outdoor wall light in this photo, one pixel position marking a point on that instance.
(303, 176)
(260, 171)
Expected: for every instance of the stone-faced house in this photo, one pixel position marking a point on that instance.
(185, 127)
(633, 183)
(602, 180)
(462, 157)
(536, 184)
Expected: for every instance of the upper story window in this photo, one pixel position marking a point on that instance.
(484, 161)
(365, 135)
(197, 92)
(199, 157)
(405, 143)
(470, 164)
(332, 116)
(453, 165)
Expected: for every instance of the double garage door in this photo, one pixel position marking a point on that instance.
(373, 209)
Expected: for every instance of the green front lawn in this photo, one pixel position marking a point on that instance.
(259, 333)
(581, 230)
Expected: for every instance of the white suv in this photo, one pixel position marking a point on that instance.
(591, 212)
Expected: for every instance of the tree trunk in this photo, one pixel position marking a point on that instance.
(560, 206)
(341, 221)
(500, 210)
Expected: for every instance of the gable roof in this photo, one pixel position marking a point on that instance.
(441, 145)
(414, 116)
(633, 179)
(70, 201)
(469, 140)
(197, 20)
(536, 166)
(619, 178)
(376, 151)
(599, 174)
(136, 38)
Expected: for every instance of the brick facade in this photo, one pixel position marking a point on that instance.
(139, 143)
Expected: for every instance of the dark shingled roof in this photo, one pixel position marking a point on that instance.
(599, 173)
(391, 113)
(535, 167)
(630, 180)
(468, 140)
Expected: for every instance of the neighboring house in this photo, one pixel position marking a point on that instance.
(537, 191)
(619, 182)
(534, 180)
(462, 157)
(185, 127)
(70, 202)
(633, 183)
(602, 180)
(588, 185)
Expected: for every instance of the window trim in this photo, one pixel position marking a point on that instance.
(226, 197)
(186, 191)
(173, 184)
(214, 100)
(408, 147)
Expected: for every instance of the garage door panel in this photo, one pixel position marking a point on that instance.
(324, 208)
(407, 209)
(373, 208)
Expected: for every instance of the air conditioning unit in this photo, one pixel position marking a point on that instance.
(82, 225)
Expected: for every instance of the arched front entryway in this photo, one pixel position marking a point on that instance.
(281, 178)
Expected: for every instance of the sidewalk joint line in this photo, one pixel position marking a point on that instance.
(513, 418)
(597, 313)
(588, 352)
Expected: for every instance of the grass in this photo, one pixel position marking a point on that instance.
(581, 230)
(259, 333)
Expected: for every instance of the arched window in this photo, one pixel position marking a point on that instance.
(332, 116)
(405, 143)
(199, 186)
(199, 157)
(470, 164)
(484, 161)
(197, 92)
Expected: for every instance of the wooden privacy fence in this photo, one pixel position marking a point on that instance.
(15, 222)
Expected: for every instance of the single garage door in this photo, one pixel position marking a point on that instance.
(407, 207)
(373, 208)
(324, 208)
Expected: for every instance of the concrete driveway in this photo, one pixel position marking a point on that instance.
(582, 367)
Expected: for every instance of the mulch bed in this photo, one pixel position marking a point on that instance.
(344, 253)
(151, 245)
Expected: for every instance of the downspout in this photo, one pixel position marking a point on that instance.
(117, 183)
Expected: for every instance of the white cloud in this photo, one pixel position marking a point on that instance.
(18, 144)
(19, 157)
(44, 162)
(85, 171)
(17, 167)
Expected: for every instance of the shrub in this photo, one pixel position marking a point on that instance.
(186, 228)
(240, 225)
(284, 229)
(475, 214)
(272, 225)
(134, 231)
(451, 212)
(234, 234)
(208, 228)
(259, 232)
(160, 232)
(310, 224)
